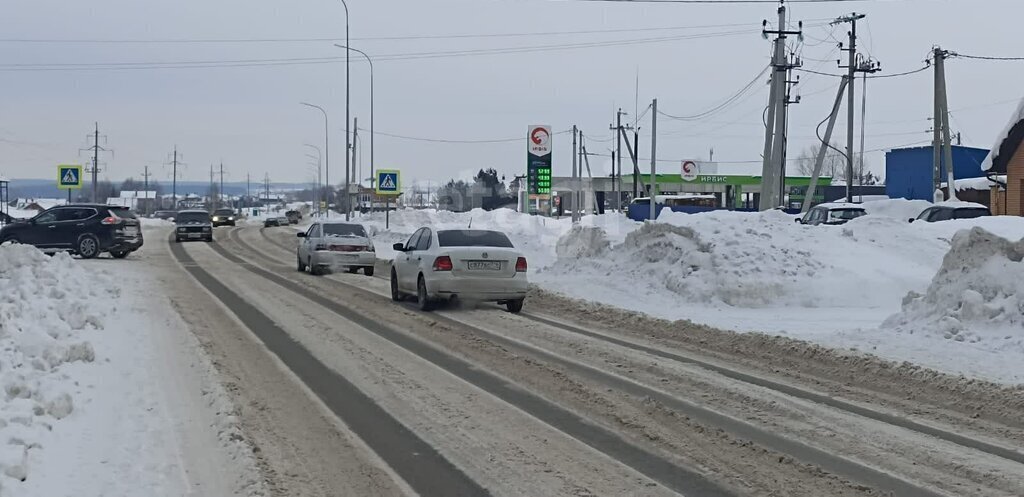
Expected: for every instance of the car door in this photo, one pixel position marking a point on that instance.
(41, 232)
(77, 221)
(307, 243)
(424, 261)
(406, 262)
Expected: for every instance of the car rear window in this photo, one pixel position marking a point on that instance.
(473, 238)
(846, 213)
(971, 213)
(344, 230)
(122, 212)
(192, 218)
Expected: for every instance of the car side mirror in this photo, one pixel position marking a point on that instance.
(799, 220)
(300, 235)
(911, 220)
(399, 247)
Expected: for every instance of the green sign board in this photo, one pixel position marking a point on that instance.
(69, 177)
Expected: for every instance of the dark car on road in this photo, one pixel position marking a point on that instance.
(84, 229)
(293, 216)
(223, 217)
(946, 212)
(193, 225)
(275, 221)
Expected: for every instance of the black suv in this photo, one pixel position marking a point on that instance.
(950, 211)
(222, 217)
(84, 229)
(293, 216)
(193, 225)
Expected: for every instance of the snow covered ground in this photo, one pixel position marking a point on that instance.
(835, 285)
(106, 391)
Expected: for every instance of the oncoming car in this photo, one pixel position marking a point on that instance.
(193, 225)
(468, 264)
(836, 213)
(275, 221)
(334, 245)
(223, 217)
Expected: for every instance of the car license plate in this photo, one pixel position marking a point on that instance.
(195, 235)
(484, 265)
(131, 231)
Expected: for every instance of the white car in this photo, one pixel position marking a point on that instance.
(468, 264)
(327, 246)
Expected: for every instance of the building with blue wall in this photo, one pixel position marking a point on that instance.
(908, 171)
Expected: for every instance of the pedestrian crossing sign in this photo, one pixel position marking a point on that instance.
(389, 182)
(69, 177)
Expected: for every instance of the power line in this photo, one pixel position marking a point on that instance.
(445, 140)
(711, 2)
(736, 96)
(369, 38)
(983, 57)
(877, 76)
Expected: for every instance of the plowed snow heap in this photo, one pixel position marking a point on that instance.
(978, 293)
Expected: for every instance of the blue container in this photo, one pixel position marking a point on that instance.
(908, 171)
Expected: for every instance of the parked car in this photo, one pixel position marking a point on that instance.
(193, 225)
(952, 210)
(84, 229)
(327, 246)
(293, 216)
(469, 264)
(165, 214)
(275, 221)
(832, 214)
(223, 217)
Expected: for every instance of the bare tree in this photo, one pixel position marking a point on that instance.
(834, 165)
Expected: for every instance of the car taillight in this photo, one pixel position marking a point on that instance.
(111, 220)
(521, 265)
(443, 263)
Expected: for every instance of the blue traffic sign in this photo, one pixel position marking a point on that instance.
(389, 182)
(69, 177)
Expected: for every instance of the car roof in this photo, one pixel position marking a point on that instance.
(959, 205)
(840, 205)
(193, 211)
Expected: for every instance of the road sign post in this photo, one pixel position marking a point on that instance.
(389, 184)
(69, 177)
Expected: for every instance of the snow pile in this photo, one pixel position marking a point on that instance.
(47, 304)
(897, 208)
(582, 241)
(977, 295)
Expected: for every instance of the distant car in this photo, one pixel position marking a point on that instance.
(193, 225)
(84, 229)
(223, 217)
(164, 214)
(946, 212)
(293, 216)
(275, 221)
(441, 265)
(335, 245)
(832, 214)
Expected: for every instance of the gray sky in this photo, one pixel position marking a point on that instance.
(250, 118)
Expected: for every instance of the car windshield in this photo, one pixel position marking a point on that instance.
(122, 212)
(344, 230)
(192, 218)
(473, 238)
(223, 212)
(846, 214)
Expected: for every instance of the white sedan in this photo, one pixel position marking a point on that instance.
(477, 265)
(327, 246)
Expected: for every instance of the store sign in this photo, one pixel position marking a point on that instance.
(690, 170)
(538, 161)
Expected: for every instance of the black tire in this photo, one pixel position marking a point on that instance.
(422, 299)
(209, 239)
(514, 306)
(177, 240)
(368, 270)
(313, 269)
(301, 267)
(352, 269)
(88, 246)
(396, 294)
(119, 254)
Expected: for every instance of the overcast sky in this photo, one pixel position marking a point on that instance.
(250, 117)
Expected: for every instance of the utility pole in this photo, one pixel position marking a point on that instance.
(654, 159)
(248, 197)
(774, 156)
(221, 196)
(212, 206)
(809, 196)
(617, 174)
(174, 163)
(632, 150)
(572, 182)
(856, 64)
(95, 149)
(792, 63)
(942, 122)
(355, 143)
(145, 188)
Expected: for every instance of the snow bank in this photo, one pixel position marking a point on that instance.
(976, 296)
(897, 208)
(47, 306)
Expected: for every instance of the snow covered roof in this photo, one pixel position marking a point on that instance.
(1007, 142)
(138, 194)
(959, 204)
(841, 205)
(979, 183)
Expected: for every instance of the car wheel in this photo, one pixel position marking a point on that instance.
(368, 270)
(177, 240)
(88, 246)
(352, 269)
(209, 239)
(119, 254)
(396, 294)
(300, 265)
(514, 306)
(422, 299)
(313, 268)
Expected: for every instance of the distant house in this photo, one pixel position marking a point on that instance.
(38, 204)
(137, 200)
(1007, 158)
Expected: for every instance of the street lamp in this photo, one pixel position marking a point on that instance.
(327, 151)
(373, 177)
(319, 162)
(348, 118)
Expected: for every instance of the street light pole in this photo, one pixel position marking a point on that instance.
(348, 118)
(327, 151)
(319, 163)
(373, 177)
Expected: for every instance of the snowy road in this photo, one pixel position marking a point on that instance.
(342, 392)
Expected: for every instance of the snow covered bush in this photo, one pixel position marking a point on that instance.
(977, 294)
